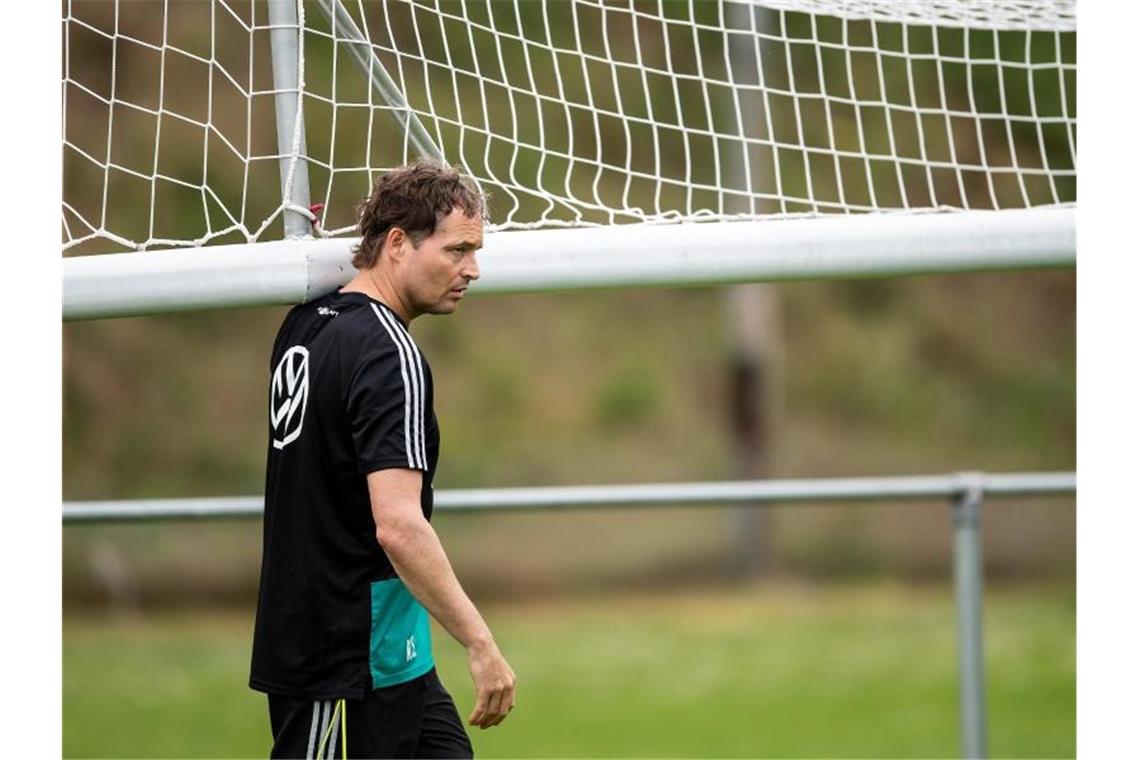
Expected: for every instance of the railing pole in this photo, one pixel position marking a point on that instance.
(968, 590)
(285, 42)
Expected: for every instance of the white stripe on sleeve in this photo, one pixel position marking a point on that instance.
(411, 366)
(409, 389)
(418, 364)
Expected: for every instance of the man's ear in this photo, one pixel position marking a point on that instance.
(394, 243)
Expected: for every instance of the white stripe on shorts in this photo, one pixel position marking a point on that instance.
(313, 731)
(330, 754)
(324, 721)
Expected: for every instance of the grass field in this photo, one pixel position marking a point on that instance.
(851, 670)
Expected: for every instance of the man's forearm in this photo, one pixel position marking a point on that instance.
(419, 559)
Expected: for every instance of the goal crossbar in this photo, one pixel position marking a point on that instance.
(690, 254)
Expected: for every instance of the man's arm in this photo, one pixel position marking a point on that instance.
(418, 558)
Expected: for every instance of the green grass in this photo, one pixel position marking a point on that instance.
(790, 671)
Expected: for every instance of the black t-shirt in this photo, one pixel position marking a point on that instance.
(349, 394)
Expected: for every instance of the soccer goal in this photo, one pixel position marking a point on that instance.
(214, 152)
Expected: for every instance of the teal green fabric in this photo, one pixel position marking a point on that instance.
(400, 647)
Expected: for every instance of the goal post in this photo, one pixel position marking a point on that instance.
(623, 143)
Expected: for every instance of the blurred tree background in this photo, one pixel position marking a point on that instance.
(880, 377)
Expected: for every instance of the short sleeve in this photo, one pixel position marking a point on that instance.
(385, 408)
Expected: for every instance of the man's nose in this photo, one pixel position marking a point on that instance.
(471, 269)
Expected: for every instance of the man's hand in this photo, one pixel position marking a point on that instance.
(494, 684)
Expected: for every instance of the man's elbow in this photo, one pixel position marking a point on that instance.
(395, 536)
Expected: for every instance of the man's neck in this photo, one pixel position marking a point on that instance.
(375, 284)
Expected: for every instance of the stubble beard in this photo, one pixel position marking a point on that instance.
(442, 306)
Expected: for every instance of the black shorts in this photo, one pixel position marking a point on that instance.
(413, 719)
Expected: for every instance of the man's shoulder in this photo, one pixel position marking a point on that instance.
(371, 327)
(360, 328)
(333, 316)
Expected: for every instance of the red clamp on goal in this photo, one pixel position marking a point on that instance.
(316, 209)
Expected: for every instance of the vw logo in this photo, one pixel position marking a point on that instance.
(288, 396)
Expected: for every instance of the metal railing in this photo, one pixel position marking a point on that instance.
(760, 492)
(966, 492)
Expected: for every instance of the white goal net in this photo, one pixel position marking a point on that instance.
(569, 113)
(576, 113)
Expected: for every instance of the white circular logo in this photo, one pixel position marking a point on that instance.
(289, 395)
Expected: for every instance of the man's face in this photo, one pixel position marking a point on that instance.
(438, 271)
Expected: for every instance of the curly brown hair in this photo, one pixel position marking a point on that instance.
(413, 198)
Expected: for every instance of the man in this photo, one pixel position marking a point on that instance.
(342, 642)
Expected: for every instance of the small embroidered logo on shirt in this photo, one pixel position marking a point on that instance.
(410, 649)
(327, 312)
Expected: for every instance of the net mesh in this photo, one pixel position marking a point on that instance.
(568, 114)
